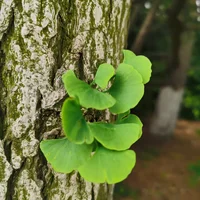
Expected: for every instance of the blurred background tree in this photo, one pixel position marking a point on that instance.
(165, 31)
(168, 33)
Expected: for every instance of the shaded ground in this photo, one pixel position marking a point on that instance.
(165, 171)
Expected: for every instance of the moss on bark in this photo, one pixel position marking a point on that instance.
(41, 40)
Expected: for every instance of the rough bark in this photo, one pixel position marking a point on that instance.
(39, 41)
(170, 95)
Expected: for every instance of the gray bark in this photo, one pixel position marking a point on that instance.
(39, 41)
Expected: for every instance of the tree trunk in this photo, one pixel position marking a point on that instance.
(135, 10)
(39, 41)
(140, 38)
(170, 96)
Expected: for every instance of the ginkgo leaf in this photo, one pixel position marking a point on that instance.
(74, 124)
(127, 89)
(108, 166)
(128, 56)
(87, 96)
(115, 136)
(141, 63)
(122, 115)
(131, 119)
(104, 73)
(65, 156)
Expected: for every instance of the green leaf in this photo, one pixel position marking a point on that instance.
(127, 89)
(128, 56)
(141, 63)
(108, 166)
(65, 156)
(122, 115)
(131, 119)
(115, 136)
(104, 73)
(74, 124)
(87, 96)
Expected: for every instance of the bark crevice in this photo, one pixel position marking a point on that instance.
(92, 193)
(10, 27)
(42, 41)
(61, 34)
(11, 183)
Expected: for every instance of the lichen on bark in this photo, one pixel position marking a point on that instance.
(39, 41)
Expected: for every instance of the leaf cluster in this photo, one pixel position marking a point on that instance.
(99, 150)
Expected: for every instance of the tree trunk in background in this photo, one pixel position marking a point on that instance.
(170, 96)
(136, 7)
(39, 41)
(141, 36)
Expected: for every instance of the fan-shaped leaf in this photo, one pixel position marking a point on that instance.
(115, 136)
(122, 115)
(74, 124)
(108, 166)
(131, 119)
(65, 156)
(104, 73)
(88, 97)
(127, 88)
(141, 63)
(128, 56)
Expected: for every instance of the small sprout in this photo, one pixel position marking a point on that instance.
(98, 149)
